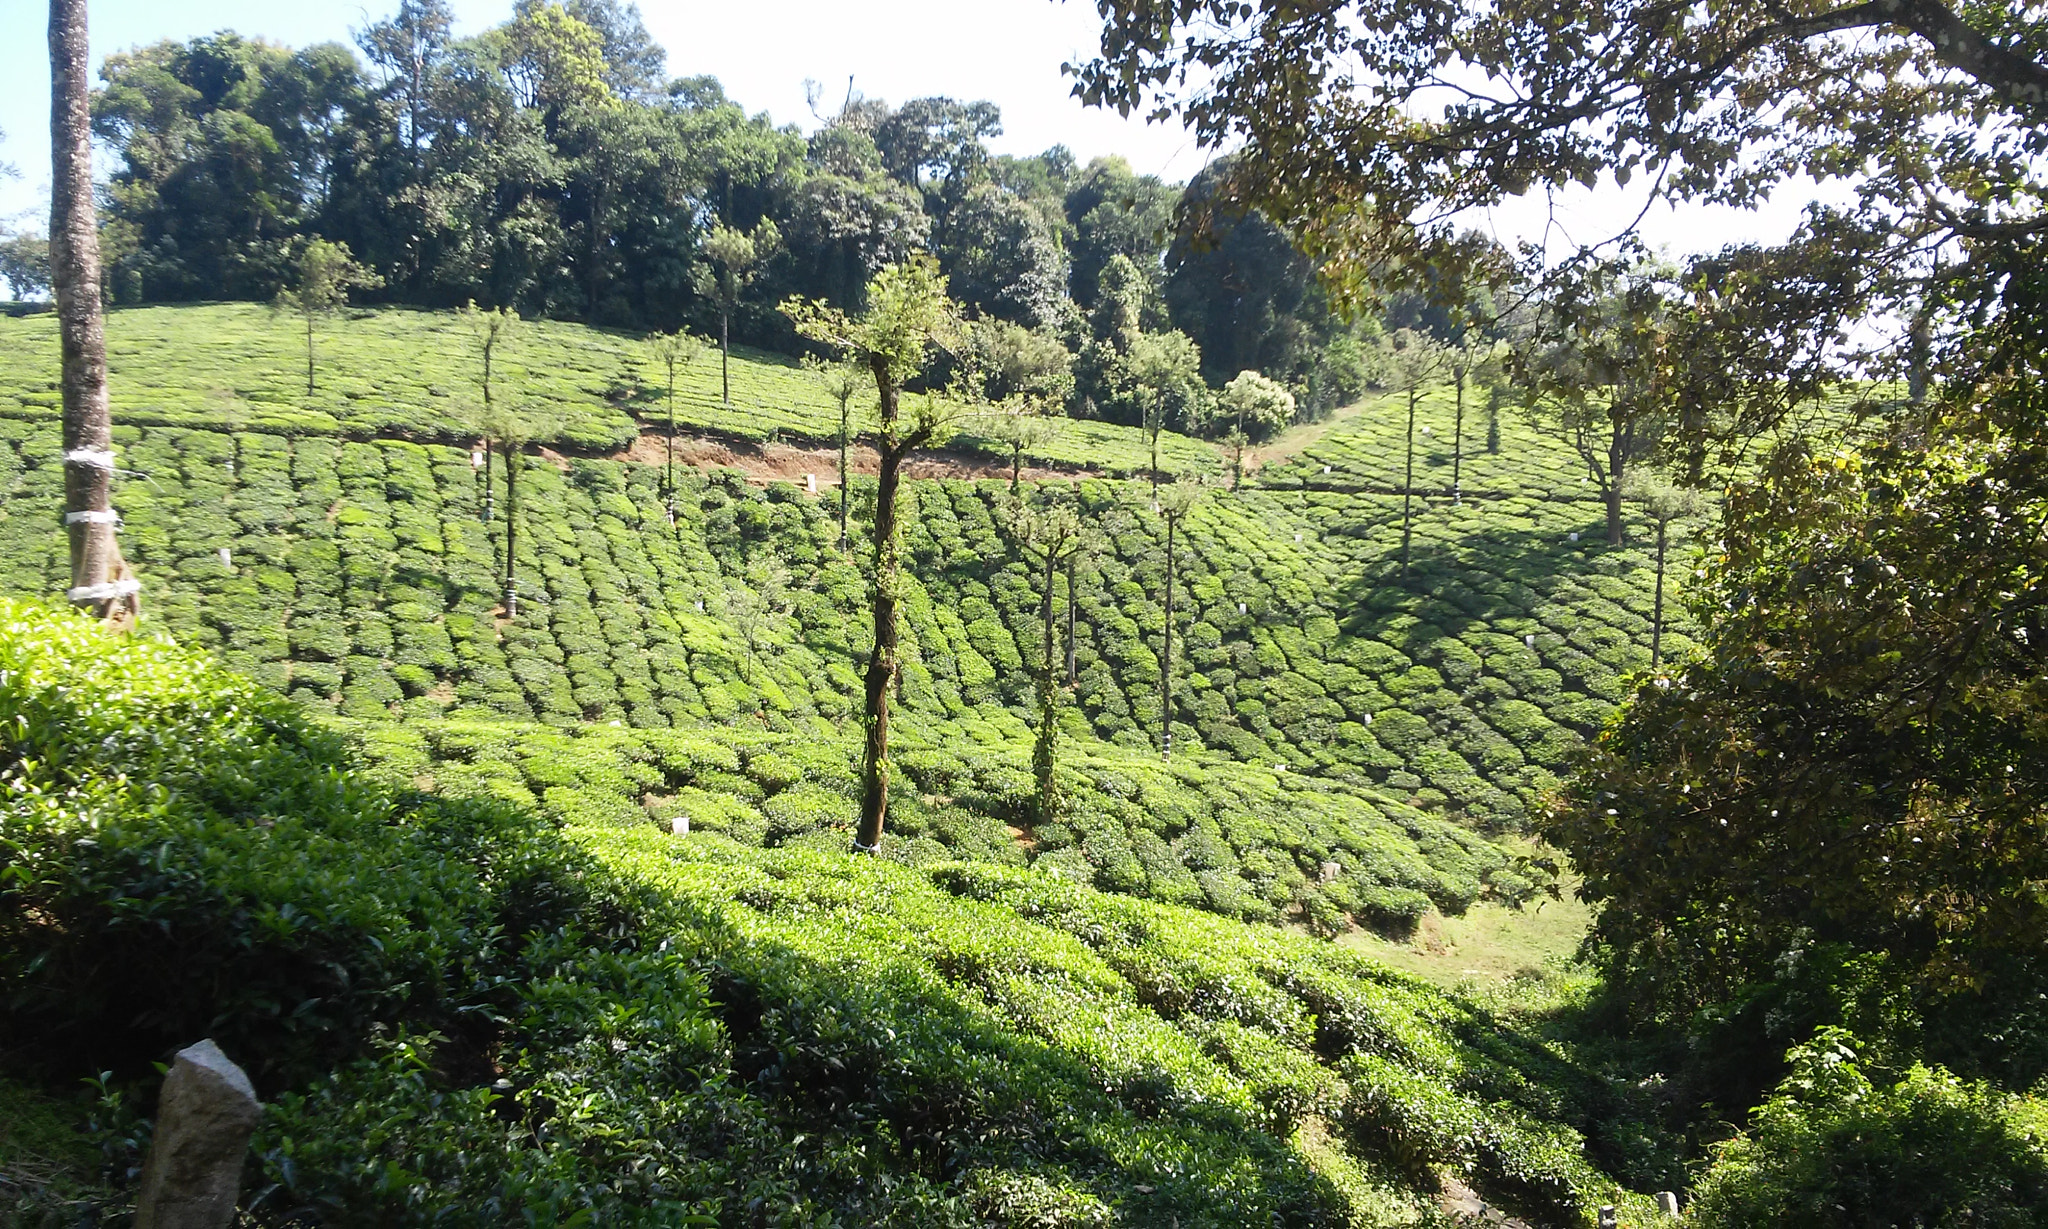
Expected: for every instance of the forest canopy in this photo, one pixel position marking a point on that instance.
(550, 166)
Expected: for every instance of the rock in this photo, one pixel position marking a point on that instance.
(1328, 872)
(205, 1115)
(1607, 1217)
(1667, 1203)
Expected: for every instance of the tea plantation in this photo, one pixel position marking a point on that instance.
(463, 1013)
(1342, 733)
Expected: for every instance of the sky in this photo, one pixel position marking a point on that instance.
(1006, 51)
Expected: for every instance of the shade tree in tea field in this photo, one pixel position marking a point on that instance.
(322, 279)
(907, 317)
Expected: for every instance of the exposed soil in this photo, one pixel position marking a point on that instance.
(766, 463)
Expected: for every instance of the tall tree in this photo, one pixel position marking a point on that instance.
(99, 576)
(1019, 427)
(1411, 361)
(510, 428)
(1163, 374)
(1255, 406)
(908, 314)
(1838, 812)
(733, 260)
(1049, 534)
(1330, 142)
(320, 286)
(1173, 503)
(676, 352)
(1467, 360)
(25, 264)
(1600, 375)
(842, 380)
(1666, 505)
(489, 333)
(1116, 212)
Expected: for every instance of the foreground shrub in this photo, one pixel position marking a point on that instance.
(1833, 1148)
(182, 856)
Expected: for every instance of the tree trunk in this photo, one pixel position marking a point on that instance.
(99, 576)
(1458, 449)
(845, 431)
(309, 354)
(1166, 655)
(1408, 485)
(1617, 469)
(490, 508)
(670, 481)
(1072, 568)
(1044, 754)
(725, 356)
(1657, 610)
(1016, 466)
(511, 529)
(874, 775)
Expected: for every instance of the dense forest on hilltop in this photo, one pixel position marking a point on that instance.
(548, 165)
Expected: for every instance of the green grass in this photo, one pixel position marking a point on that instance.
(1489, 942)
(49, 1166)
(414, 374)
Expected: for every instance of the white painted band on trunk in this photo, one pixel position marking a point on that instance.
(104, 593)
(109, 517)
(97, 458)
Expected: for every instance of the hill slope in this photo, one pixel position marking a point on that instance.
(458, 1009)
(1339, 719)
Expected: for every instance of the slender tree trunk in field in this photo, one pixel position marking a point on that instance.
(1458, 448)
(1072, 568)
(1016, 466)
(309, 354)
(490, 494)
(1044, 754)
(511, 528)
(1657, 611)
(725, 356)
(1408, 485)
(1617, 469)
(99, 576)
(1166, 655)
(874, 775)
(845, 430)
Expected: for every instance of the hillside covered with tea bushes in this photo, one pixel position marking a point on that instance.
(1341, 733)
(601, 1024)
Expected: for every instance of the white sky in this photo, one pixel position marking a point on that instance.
(1006, 51)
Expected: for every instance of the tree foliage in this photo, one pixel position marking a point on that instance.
(326, 274)
(1856, 764)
